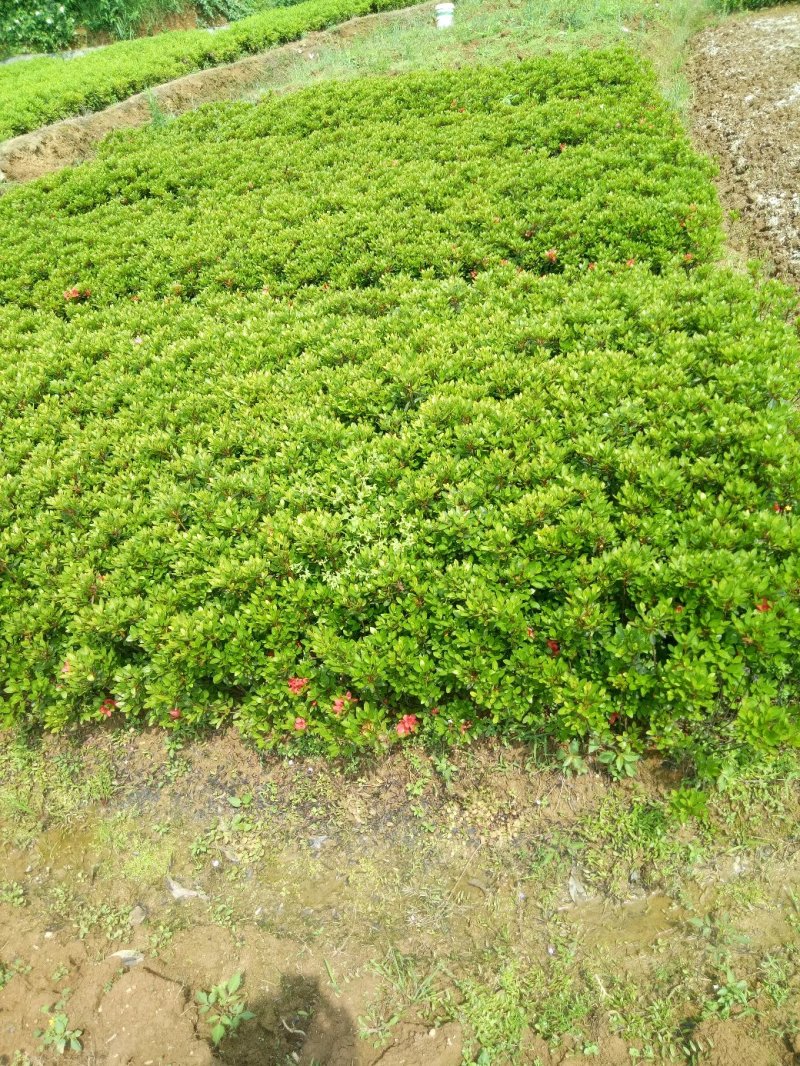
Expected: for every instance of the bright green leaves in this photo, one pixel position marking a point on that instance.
(539, 498)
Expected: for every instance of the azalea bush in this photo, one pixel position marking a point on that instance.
(40, 91)
(399, 409)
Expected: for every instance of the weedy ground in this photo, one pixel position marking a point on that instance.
(475, 907)
(495, 31)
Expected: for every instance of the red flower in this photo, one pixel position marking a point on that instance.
(66, 668)
(688, 257)
(551, 254)
(434, 710)
(297, 685)
(339, 705)
(407, 724)
(300, 724)
(765, 605)
(592, 266)
(776, 507)
(175, 714)
(465, 726)
(554, 647)
(612, 718)
(630, 262)
(77, 294)
(678, 608)
(107, 707)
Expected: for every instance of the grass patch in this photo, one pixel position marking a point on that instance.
(495, 31)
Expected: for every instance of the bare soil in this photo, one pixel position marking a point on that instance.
(355, 900)
(745, 74)
(73, 140)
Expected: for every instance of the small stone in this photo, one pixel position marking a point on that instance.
(128, 958)
(179, 892)
(137, 916)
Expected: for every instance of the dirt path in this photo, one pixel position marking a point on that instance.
(746, 113)
(73, 140)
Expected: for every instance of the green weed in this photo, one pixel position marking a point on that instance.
(224, 1008)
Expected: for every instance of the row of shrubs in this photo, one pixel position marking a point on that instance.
(39, 91)
(399, 408)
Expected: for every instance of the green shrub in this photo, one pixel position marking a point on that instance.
(40, 27)
(333, 447)
(50, 25)
(44, 90)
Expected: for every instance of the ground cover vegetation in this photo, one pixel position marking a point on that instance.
(40, 91)
(411, 407)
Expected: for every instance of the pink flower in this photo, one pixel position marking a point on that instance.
(66, 668)
(765, 605)
(175, 714)
(407, 724)
(300, 724)
(434, 710)
(551, 254)
(341, 703)
(297, 685)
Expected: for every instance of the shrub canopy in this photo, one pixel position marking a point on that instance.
(399, 398)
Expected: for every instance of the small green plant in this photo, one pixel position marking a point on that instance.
(8, 971)
(223, 1008)
(620, 761)
(688, 803)
(57, 1034)
(13, 894)
(573, 763)
(729, 998)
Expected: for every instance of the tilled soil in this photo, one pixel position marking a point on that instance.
(746, 113)
(73, 140)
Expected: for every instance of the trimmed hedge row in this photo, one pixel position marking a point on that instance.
(40, 91)
(375, 411)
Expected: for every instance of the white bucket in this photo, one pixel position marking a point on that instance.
(444, 15)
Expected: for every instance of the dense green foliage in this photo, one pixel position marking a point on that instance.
(39, 27)
(50, 25)
(44, 90)
(418, 394)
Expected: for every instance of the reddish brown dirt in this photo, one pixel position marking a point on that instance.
(73, 140)
(746, 113)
